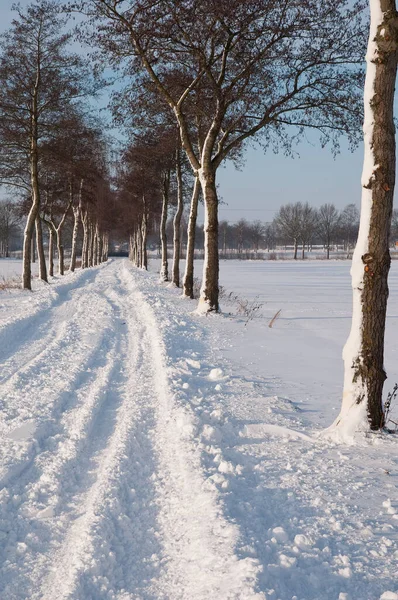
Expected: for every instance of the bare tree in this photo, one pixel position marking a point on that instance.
(191, 237)
(329, 222)
(288, 223)
(256, 233)
(164, 269)
(269, 235)
(309, 218)
(349, 225)
(38, 78)
(241, 229)
(177, 218)
(140, 181)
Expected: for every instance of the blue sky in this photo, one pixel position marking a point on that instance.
(267, 181)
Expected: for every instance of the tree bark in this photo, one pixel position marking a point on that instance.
(295, 249)
(51, 251)
(27, 246)
(144, 235)
(134, 256)
(208, 301)
(364, 350)
(95, 245)
(90, 244)
(105, 247)
(60, 251)
(99, 246)
(34, 245)
(40, 250)
(139, 246)
(177, 222)
(164, 270)
(34, 179)
(189, 263)
(84, 218)
(76, 220)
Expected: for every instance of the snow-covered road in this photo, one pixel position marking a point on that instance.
(141, 459)
(103, 495)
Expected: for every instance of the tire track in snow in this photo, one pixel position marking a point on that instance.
(111, 545)
(48, 382)
(72, 398)
(198, 542)
(15, 332)
(134, 517)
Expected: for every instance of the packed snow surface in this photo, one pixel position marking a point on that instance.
(150, 453)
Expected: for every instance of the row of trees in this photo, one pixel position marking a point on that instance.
(201, 79)
(51, 153)
(191, 100)
(236, 71)
(222, 73)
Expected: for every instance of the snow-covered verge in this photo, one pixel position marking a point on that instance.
(150, 453)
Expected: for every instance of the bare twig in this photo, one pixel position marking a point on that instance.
(276, 315)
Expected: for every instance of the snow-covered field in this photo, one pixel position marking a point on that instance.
(148, 453)
(11, 268)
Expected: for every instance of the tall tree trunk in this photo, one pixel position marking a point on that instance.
(90, 244)
(303, 251)
(144, 235)
(95, 245)
(139, 247)
(75, 231)
(105, 246)
(208, 301)
(85, 248)
(34, 245)
(60, 251)
(40, 250)
(51, 251)
(189, 263)
(27, 247)
(295, 249)
(76, 220)
(99, 246)
(135, 250)
(364, 350)
(177, 222)
(34, 211)
(164, 270)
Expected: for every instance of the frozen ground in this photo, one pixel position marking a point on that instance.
(148, 453)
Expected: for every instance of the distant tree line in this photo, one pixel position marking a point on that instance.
(298, 225)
